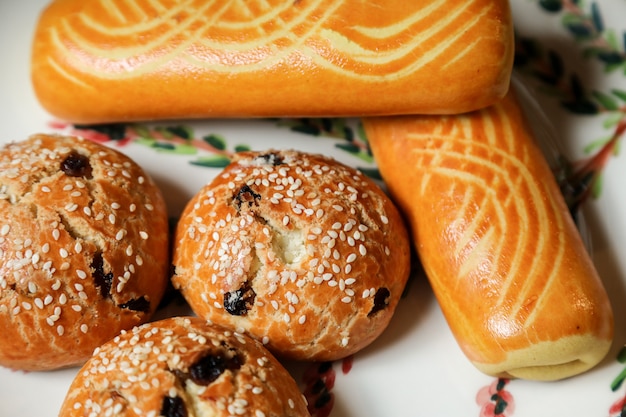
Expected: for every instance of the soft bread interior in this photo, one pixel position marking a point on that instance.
(551, 361)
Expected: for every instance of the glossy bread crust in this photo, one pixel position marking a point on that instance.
(497, 241)
(140, 59)
(183, 366)
(83, 249)
(302, 252)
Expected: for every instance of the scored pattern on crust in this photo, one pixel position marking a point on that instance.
(241, 36)
(484, 171)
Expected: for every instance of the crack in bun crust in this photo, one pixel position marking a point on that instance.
(300, 251)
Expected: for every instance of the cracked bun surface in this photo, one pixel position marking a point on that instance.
(305, 254)
(83, 249)
(183, 366)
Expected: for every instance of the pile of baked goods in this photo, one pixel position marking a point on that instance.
(284, 253)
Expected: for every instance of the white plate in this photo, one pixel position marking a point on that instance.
(573, 55)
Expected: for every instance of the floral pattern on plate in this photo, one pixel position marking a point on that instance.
(596, 35)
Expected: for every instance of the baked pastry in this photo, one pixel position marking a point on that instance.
(140, 59)
(298, 250)
(83, 249)
(183, 366)
(496, 239)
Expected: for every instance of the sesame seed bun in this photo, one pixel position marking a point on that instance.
(298, 250)
(83, 249)
(183, 366)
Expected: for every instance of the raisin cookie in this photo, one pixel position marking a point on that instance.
(83, 249)
(304, 253)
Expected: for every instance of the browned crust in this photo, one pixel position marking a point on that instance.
(62, 238)
(314, 252)
(304, 58)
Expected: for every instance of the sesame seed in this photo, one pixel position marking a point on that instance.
(5, 230)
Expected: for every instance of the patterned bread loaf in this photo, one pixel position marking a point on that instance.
(140, 59)
(497, 242)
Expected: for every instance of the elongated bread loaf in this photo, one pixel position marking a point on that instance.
(504, 258)
(119, 60)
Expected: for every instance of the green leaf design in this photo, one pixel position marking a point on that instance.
(178, 149)
(216, 141)
(242, 148)
(142, 131)
(184, 132)
(596, 189)
(114, 131)
(597, 17)
(373, 173)
(307, 129)
(577, 26)
(215, 161)
(621, 94)
(612, 120)
(606, 101)
(552, 6)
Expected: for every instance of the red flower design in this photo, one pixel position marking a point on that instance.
(618, 407)
(495, 400)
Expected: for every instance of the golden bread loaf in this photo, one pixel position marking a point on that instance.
(96, 61)
(300, 251)
(503, 255)
(183, 366)
(83, 249)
